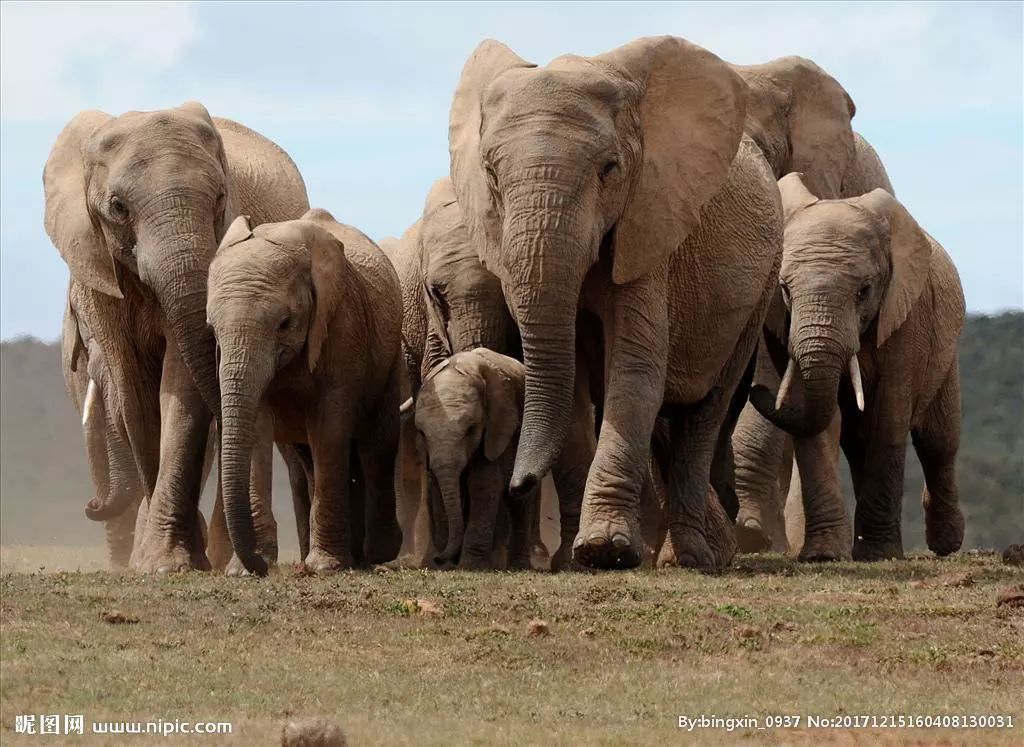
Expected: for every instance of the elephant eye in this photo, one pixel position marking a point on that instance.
(285, 323)
(607, 170)
(118, 209)
(864, 291)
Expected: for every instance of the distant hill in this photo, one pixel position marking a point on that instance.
(44, 480)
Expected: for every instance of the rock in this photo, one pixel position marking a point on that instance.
(957, 580)
(1014, 555)
(537, 628)
(119, 618)
(312, 732)
(429, 607)
(1011, 596)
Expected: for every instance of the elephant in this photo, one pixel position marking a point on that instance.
(874, 310)
(307, 317)
(637, 234)
(111, 464)
(801, 119)
(136, 206)
(467, 417)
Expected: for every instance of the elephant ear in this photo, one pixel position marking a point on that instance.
(72, 334)
(240, 230)
(503, 409)
(326, 257)
(795, 195)
(911, 253)
(691, 116)
(489, 60)
(68, 222)
(820, 132)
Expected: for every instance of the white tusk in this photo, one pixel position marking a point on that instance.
(90, 402)
(858, 387)
(406, 407)
(787, 382)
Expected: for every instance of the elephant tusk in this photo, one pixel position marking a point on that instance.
(858, 387)
(406, 408)
(90, 402)
(787, 382)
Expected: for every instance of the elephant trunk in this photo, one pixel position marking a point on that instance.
(122, 483)
(243, 381)
(451, 494)
(174, 252)
(819, 358)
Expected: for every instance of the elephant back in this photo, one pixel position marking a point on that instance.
(268, 185)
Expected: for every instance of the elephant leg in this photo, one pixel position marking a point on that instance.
(877, 518)
(826, 524)
(520, 526)
(141, 522)
(485, 486)
(378, 453)
(759, 449)
(330, 532)
(570, 471)
(408, 478)
(723, 464)
(295, 457)
(540, 557)
(173, 540)
(636, 324)
(261, 474)
(437, 520)
(120, 531)
(936, 443)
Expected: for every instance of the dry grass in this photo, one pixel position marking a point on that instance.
(425, 658)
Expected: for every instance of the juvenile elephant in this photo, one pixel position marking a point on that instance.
(874, 308)
(136, 206)
(307, 316)
(620, 205)
(801, 119)
(467, 415)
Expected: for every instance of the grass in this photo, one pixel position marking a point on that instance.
(410, 657)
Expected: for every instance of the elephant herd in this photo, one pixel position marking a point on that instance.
(679, 287)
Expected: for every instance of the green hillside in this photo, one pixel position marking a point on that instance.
(44, 480)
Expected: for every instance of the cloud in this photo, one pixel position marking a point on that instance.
(57, 58)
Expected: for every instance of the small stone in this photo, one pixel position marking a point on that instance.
(312, 732)
(429, 607)
(747, 631)
(958, 580)
(537, 628)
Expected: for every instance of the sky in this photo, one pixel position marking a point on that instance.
(358, 94)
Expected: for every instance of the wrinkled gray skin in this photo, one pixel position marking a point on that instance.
(307, 317)
(800, 117)
(875, 304)
(111, 464)
(136, 206)
(613, 196)
(467, 417)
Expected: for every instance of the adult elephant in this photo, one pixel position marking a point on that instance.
(801, 119)
(136, 206)
(111, 464)
(618, 202)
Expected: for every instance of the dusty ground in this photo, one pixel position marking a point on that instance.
(618, 658)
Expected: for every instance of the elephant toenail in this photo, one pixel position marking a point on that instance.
(597, 539)
(620, 541)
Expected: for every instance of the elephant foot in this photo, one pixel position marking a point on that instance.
(751, 535)
(562, 559)
(172, 559)
(865, 550)
(608, 544)
(540, 558)
(943, 528)
(826, 546)
(471, 563)
(321, 561)
(383, 545)
(686, 547)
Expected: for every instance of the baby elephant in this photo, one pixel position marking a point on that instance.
(870, 311)
(467, 417)
(307, 316)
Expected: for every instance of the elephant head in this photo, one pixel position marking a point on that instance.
(852, 270)
(464, 301)
(273, 291)
(604, 159)
(800, 116)
(468, 408)
(146, 194)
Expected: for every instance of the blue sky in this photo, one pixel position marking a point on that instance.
(358, 94)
